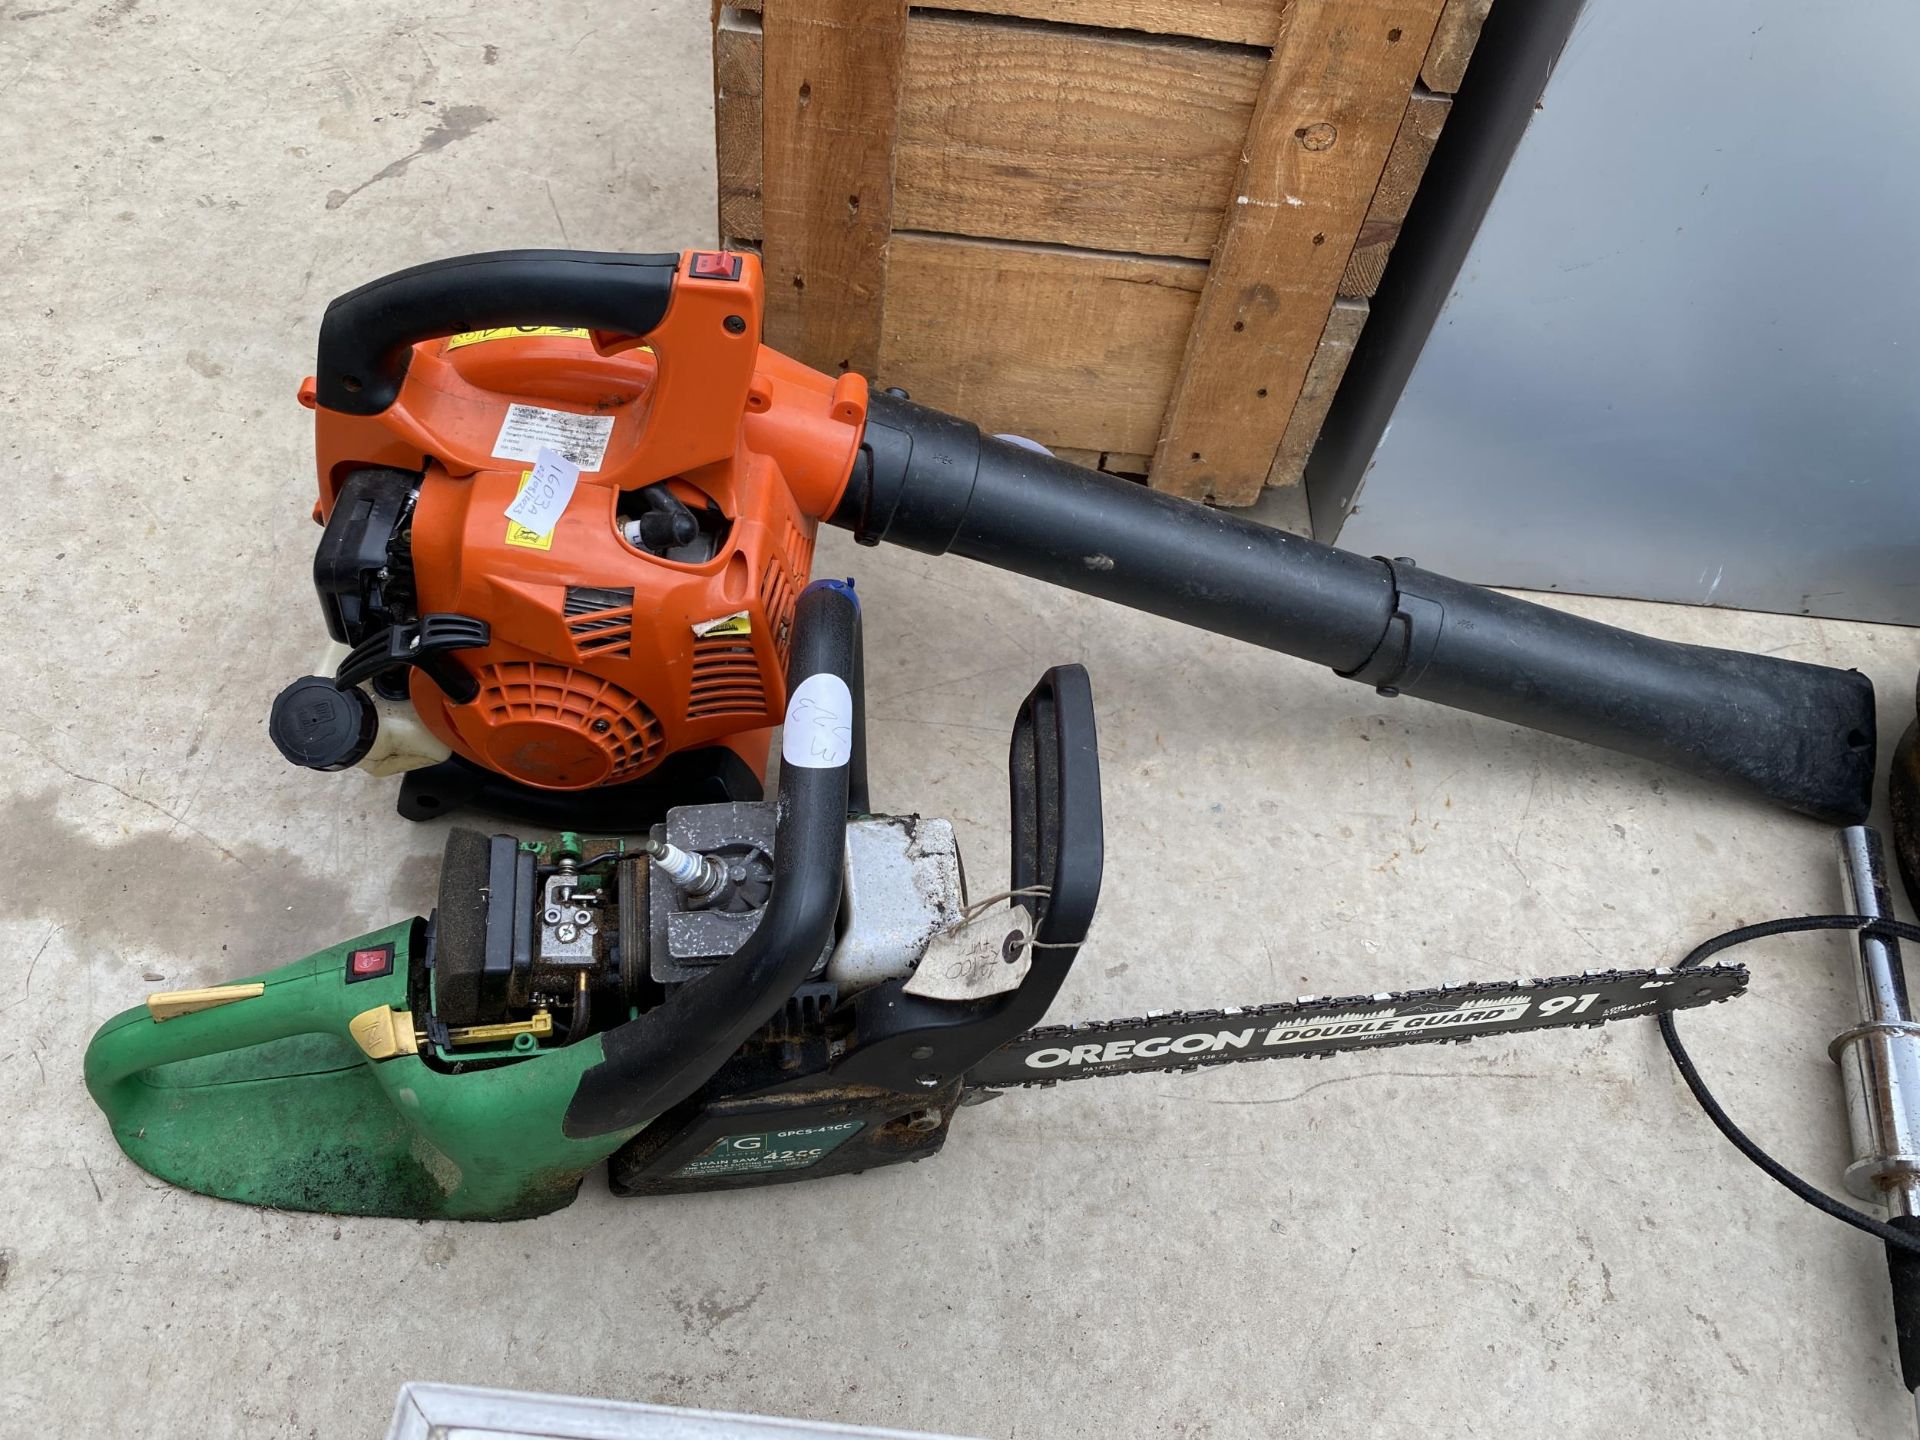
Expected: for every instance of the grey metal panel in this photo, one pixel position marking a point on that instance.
(1682, 358)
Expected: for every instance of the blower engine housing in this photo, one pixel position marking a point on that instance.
(653, 618)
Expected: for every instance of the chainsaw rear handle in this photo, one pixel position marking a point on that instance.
(273, 1097)
(1800, 735)
(367, 335)
(662, 1057)
(303, 998)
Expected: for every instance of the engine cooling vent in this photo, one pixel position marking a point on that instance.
(805, 1013)
(799, 553)
(600, 621)
(560, 728)
(726, 678)
(777, 600)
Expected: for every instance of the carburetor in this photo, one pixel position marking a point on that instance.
(571, 932)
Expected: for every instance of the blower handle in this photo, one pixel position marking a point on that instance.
(367, 335)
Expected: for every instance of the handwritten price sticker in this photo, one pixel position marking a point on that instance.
(543, 499)
(985, 956)
(819, 732)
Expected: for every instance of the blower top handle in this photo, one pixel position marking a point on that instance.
(651, 621)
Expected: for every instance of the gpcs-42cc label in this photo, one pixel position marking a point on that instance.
(768, 1150)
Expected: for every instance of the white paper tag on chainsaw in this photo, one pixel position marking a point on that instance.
(543, 498)
(819, 733)
(988, 955)
(529, 429)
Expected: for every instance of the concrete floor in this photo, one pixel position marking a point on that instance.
(1501, 1238)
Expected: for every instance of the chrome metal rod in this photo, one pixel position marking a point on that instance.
(1879, 1062)
(1882, 979)
(1879, 1058)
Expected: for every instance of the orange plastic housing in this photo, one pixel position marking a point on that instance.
(579, 687)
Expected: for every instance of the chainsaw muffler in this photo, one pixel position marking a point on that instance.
(1797, 734)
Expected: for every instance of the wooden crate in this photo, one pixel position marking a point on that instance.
(1141, 232)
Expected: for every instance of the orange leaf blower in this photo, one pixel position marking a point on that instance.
(619, 648)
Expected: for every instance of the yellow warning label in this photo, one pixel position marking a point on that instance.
(514, 332)
(738, 623)
(518, 534)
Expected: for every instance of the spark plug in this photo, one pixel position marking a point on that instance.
(698, 875)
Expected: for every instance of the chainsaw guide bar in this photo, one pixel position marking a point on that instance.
(1313, 1027)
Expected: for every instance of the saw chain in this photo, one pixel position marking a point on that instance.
(1312, 1026)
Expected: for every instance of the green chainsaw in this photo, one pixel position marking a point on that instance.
(753, 992)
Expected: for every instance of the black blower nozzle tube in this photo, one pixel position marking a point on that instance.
(1800, 735)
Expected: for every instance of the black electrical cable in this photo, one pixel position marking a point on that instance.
(1817, 1198)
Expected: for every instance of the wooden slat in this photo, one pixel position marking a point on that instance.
(1073, 137)
(1453, 41)
(1329, 366)
(736, 121)
(830, 97)
(1134, 154)
(1329, 108)
(1112, 461)
(1074, 349)
(1239, 22)
(1406, 163)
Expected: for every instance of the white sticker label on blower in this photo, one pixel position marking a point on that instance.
(543, 498)
(528, 430)
(738, 623)
(819, 733)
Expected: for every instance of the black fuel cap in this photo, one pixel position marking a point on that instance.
(317, 724)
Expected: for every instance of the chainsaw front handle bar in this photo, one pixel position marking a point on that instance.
(665, 1055)
(367, 335)
(1800, 735)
